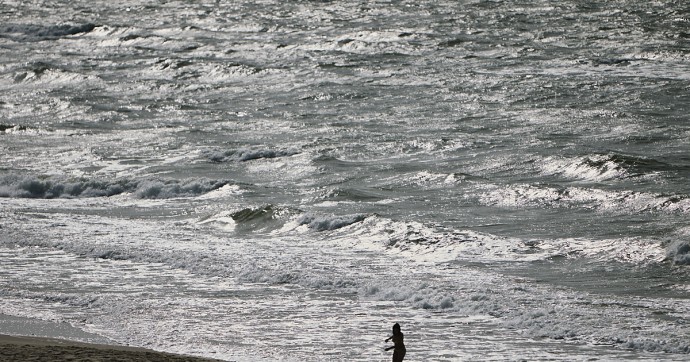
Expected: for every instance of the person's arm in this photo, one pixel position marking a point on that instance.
(389, 348)
(389, 338)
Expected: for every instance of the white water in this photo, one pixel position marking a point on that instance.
(260, 181)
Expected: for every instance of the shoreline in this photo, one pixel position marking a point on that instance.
(30, 348)
(32, 339)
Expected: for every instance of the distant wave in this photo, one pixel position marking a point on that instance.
(50, 187)
(251, 219)
(46, 73)
(11, 128)
(348, 194)
(524, 195)
(376, 42)
(164, 189)
(33, 32)
(246, 154)
(323, 223)
(679, 252)
(601, 167)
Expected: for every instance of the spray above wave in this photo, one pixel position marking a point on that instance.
(50, 187)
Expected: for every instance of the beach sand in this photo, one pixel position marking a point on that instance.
(13, 348)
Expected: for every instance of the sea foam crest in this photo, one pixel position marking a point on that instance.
(425, 243)
(593, 168)
(603, 167)
(418, 295)
(524, 195)
(421, 242)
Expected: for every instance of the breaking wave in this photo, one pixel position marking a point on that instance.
(603, 167)
(51, 187)
(523, 195)
(34, 32)
(324, 223)
(46, 73)
(164, 189)
(679, 252)
(251, 219)
(11, 128)
(244, 154)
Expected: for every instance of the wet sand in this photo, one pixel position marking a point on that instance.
(23, 349)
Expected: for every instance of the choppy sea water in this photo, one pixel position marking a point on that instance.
(268, 180)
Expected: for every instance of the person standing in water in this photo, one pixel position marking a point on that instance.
(398, 345)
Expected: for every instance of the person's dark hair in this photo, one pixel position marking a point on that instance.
(396, 327)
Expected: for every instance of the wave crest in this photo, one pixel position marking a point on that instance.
(35, 32)
(588, 198)
(324, 223)
(251, 219)
(603, 167)
(51, 187)
(245, 154)
(679, 252)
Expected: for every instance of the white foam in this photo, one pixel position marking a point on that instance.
(57, 186)
(224, 191)
(224, 221)
(372, 42)
(582, 168)
(524, 195)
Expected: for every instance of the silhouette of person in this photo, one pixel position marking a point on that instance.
(398, 345)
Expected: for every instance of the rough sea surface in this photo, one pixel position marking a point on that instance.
(284, 180)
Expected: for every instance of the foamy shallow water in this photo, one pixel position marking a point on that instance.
(261, 181)
(164, 282)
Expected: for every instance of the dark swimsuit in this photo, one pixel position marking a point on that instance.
(399, 349)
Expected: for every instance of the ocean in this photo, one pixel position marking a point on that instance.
(285, 180)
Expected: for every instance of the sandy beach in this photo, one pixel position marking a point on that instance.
(13, 348)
